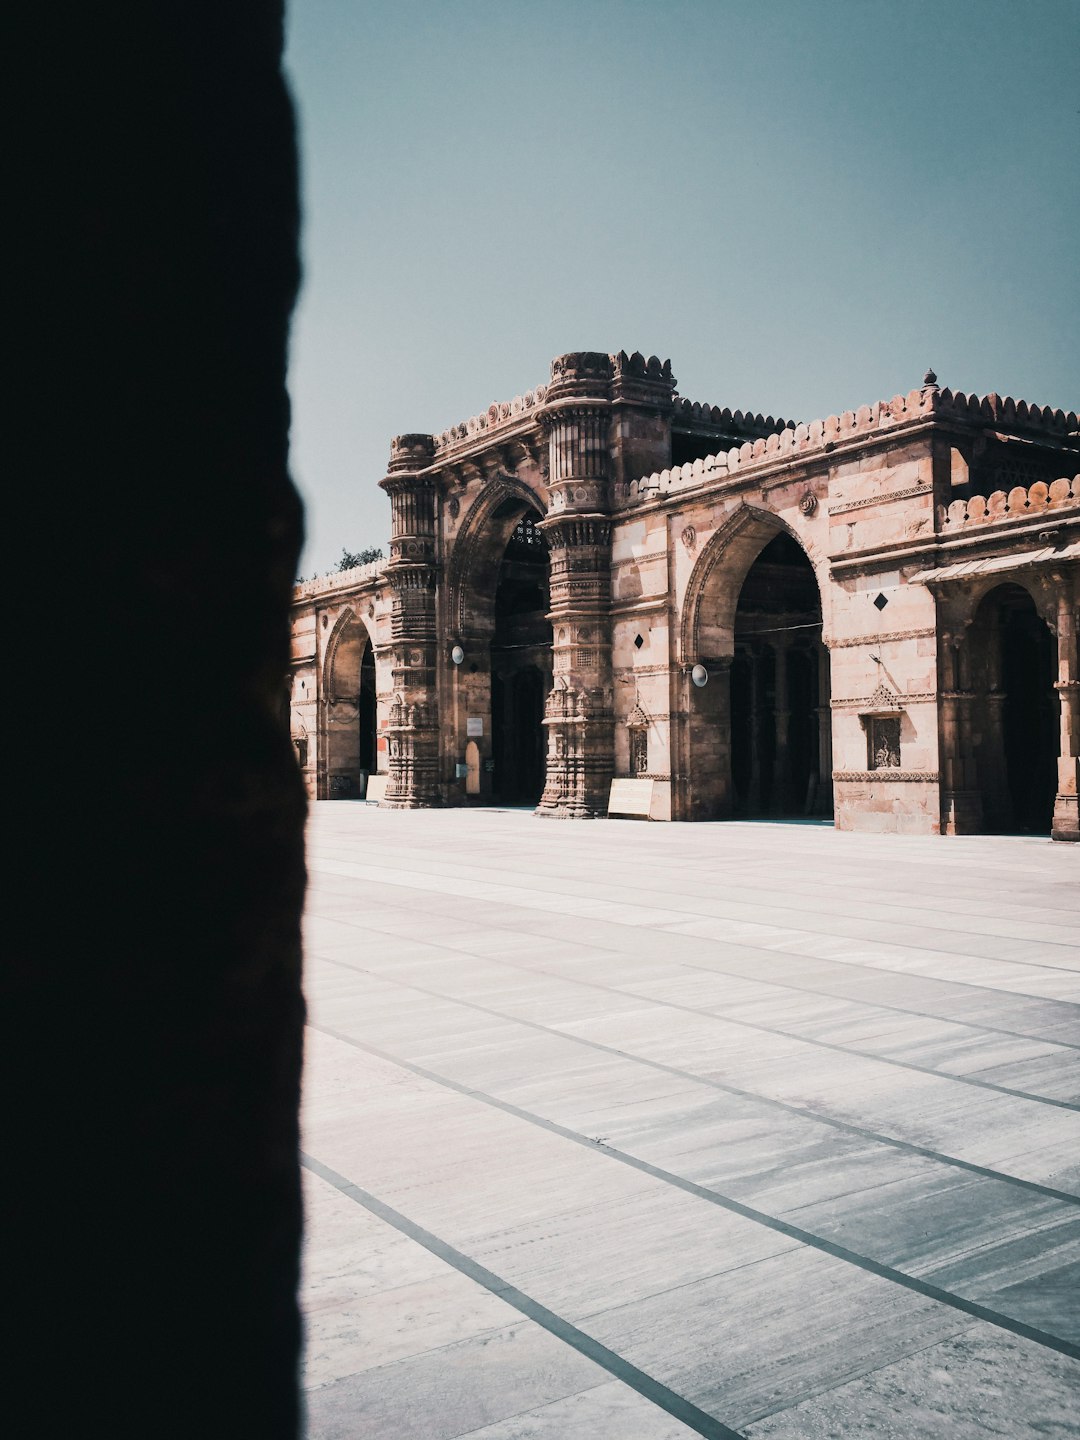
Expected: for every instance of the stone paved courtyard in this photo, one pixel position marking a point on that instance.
(648, 1131)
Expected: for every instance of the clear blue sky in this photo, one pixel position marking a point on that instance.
(803, 203)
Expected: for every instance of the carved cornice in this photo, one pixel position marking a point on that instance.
(870, 703)
(911, 493)
(409, 482)
(639, 559)
(889, 774)
(408, 576)
(573, 532)
(883, 637)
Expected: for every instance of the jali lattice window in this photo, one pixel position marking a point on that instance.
(639, 750)
(883, 742)
(526, 533)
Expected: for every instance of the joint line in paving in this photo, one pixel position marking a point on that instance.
(848, 965)
(462, 884)
(635, 895)
(659, 1002)
(802, 1113)
(725, 1202)
(668, 1400)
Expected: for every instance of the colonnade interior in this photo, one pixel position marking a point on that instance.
(1013, 666)
(780, 718)
(521, 667)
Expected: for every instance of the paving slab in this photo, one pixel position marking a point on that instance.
(649, 1131)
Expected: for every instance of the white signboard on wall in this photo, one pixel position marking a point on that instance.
(474, 725)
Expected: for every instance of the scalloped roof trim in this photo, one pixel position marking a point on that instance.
(492, 418)
(727, 419)
(1018, 503)
(866, 420)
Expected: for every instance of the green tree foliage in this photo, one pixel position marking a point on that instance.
(361, 557)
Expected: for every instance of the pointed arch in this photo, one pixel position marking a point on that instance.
(348, 711)
(479, 537)
(756, 738)
(737, 544)
(347, 617)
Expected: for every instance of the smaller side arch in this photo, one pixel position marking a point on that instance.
(348, 725)
(755, 738)
(347, 617)
(736, 543)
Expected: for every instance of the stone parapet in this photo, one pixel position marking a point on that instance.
(690, 412)
(868, 423)
(352, 579)
(1018, 504)
(495, 418)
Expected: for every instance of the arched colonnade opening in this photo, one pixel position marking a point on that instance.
(520, 666)
(1013, 666)
(759, 732)
(500, 602)
(350, 715)
(780, 689)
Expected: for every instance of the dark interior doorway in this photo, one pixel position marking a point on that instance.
(368, 713)
(1017, 713)
(520, 668)
(781, 755)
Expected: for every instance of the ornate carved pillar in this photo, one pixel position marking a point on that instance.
(413, 730)
(1066, 822)
(579, 715)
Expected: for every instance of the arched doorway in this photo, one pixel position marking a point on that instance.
(521, 645)
(757, 735)
(350, 714)
(779, 689)
(1015, 734)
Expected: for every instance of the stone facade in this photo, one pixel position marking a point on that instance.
(872, 616)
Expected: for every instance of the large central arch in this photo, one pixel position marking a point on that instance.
(497, 612)
(757, 736)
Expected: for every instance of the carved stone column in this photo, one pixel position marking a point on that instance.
(579, 715)
(413, 729)
(1066, 822)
